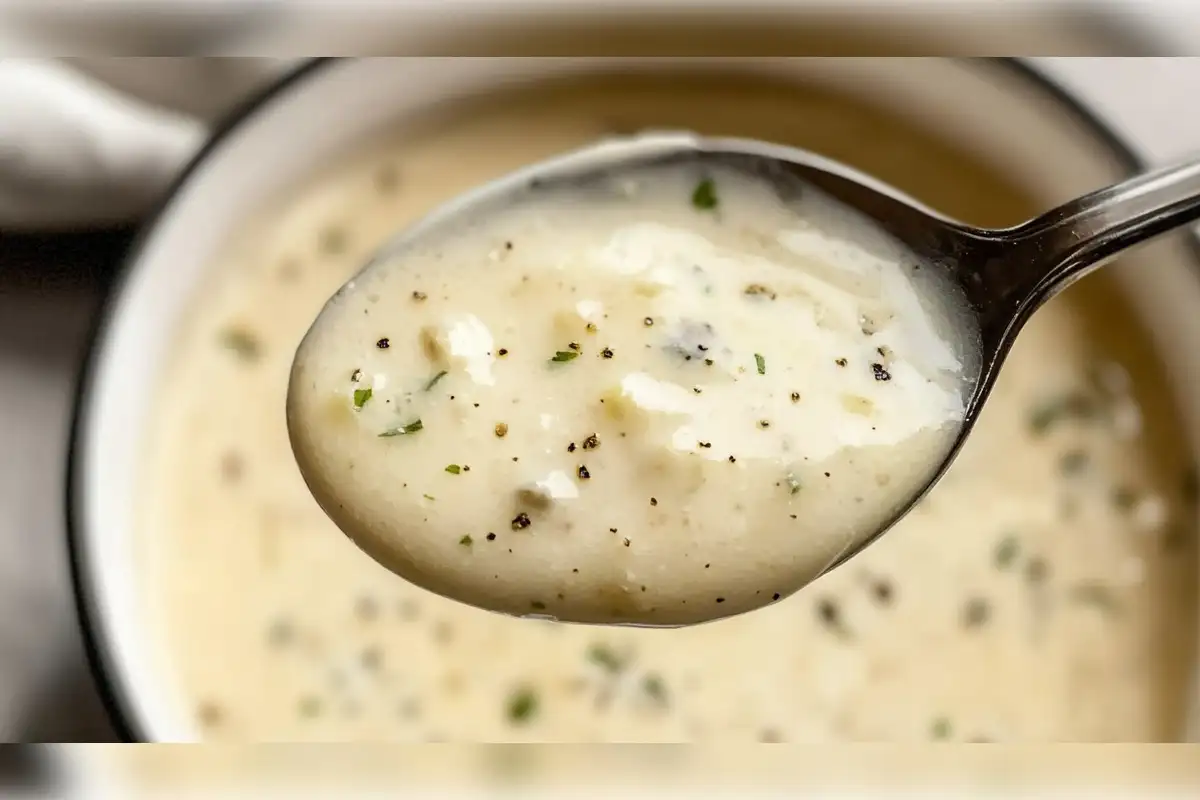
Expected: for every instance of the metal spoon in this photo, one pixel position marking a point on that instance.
(1005, 274)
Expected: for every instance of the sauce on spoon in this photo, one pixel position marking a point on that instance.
(658, 399)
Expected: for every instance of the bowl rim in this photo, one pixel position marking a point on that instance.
(96, 648)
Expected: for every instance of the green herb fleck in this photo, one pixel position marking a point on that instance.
(429, 497)
(704, 197)
(565, 355)
(434, 380)
(604, 656)
(1050, 413)
(243, 343)
(1097, 596)
(1124, 498)
(522, 705)
(361, 396)
(940, 729)
(1073, 462)
(761, 363)
(403, 430)
(655, 688)
(466, 541)
(453, 469)
(1006, 552)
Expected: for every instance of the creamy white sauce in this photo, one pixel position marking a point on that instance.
(663, 404)
(1044, 592)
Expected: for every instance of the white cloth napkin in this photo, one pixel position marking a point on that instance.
(86, 142)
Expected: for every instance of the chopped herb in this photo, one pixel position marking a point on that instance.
(403, 430)
(708, 362)
(453, 469)
(764, 423)
(604, 656)
(882, 591)
(758, 290)
(432, 382)
(881, 374)
(565, 355)
(654, 688)
(975, 613)
(429, 497)
(384, 343)
(522, 705)
(1036, 570)
(591, 442)
(243, 343)
(830, 615)
(761, 363)
(501, 429)
(606, 352)
(793, 484)
(1124, 498)
(466, 541)
(1006, 552)
(1070, 406)
(704, 197)
(1073, 462)
(333, 241)
(361, 396)
(1096, 595)
(521, 521)
(583, 472)
(940, 729)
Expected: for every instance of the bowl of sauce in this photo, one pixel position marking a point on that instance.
(1044, 592)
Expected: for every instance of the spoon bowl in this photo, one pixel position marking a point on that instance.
(998, 276)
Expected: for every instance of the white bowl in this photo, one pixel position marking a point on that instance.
(1045, 139)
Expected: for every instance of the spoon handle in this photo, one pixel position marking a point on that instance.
(1063, 245)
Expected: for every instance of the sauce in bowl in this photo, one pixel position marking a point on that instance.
(663, 397)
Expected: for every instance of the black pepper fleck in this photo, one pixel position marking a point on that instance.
(521, 521)
(775, 596)
(841, 362)
(881, 374)
(503, 351)
(606, 352)
(583, 472)
(648, 321)
(419, 296)
(591, 442)
(491, 537)
(653, 501)
(571, 447)
(383, 344)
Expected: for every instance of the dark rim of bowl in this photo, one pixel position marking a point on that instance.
(124, 721)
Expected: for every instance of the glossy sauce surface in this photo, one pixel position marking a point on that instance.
(1045, 591)
(666, 396)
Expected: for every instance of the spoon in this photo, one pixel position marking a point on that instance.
(1001, 275)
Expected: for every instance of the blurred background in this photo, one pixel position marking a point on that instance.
(69, 208)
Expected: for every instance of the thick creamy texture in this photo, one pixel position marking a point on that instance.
(1045, 591)
(660, 399)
